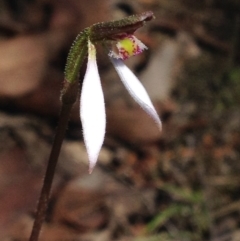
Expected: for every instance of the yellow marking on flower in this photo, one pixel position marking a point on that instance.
(127, 47)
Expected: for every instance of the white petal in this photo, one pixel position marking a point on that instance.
(92, 109)
(136, 89)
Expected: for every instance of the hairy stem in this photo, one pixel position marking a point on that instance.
(68, 99)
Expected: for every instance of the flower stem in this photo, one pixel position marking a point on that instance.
(68, 99)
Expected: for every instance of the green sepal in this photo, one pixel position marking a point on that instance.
(119, 28)
(76, 56)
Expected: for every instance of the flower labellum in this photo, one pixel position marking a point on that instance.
(127, 47)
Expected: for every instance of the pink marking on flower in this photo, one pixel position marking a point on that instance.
(128, 46)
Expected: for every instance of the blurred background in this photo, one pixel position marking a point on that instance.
(179, 185)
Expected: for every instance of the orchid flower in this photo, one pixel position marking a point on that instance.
(92, 107)
(92, 110)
